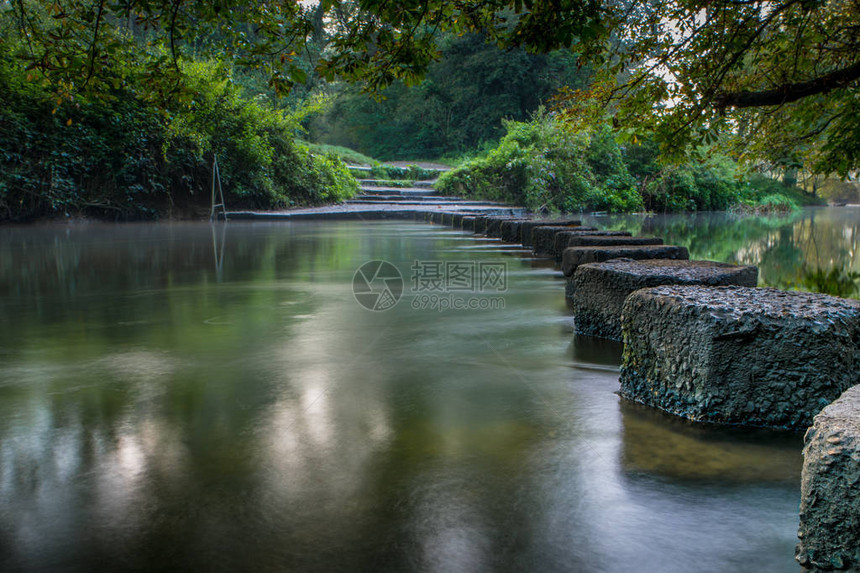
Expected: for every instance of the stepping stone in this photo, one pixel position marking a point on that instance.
(494, 226)
(510, 230)
(480, 223)
(527, 227)
(611, 241)
(829, 529)
(448, 219)
(575, 256)
(468, 223)
(598, 290)
(736, 355)
(457, 220)
(562, 240)
(543, 237)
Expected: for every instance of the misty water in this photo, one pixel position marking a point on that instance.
(196, 397)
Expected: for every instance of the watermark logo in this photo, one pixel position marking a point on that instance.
(435, 285)
(377, 285)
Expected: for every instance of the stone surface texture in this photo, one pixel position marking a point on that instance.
(480, 224)
(494, 226)
(562, 240)
(527, 228)
(509, 231)
(829, 529)
(543, 238)
(736, 355)
(610, 241)
(598, 290)
(575, 256)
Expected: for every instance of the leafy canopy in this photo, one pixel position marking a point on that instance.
(771, 79)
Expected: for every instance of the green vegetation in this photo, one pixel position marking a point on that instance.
(836, 281)
(345, 154)
(458, 107)
(118, 108)
(124, 158)
(544, 165)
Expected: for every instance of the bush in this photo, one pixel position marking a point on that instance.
(713, 185)
(124, 158)
(542, 166)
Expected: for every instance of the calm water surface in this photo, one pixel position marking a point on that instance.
(187, 397)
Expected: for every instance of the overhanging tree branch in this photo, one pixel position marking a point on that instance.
(787, 93)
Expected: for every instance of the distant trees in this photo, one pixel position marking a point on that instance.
(458, 106)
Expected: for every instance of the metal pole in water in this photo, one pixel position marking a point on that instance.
(216, 176)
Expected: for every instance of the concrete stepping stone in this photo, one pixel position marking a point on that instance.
(611, 241)
(527, 227)
(598, 290)
(737, 355)
(562, 240)
(500, 226)
(829, 529)
(492, 224)
(575, 256)
(543, 237)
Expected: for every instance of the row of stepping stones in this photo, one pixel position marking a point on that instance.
(703, 342)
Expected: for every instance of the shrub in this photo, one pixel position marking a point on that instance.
(125, 158)
(543, 166)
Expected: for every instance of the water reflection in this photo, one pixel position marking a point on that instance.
(167, 405)
(657, 444)
(787, 249)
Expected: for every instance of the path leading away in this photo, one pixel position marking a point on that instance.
(386, 199)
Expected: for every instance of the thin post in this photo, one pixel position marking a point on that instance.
(216, 176)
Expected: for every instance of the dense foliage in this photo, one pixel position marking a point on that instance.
(123, 158)
(773, 80)
(543, 165)
(458, 107)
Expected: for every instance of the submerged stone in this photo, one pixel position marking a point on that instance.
(572, 257)
(829, 529)
(738, 355)
(598, 290)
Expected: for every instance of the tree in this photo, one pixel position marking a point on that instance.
(770, 78)
(458, 106)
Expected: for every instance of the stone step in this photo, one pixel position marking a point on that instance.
(575, 256)
(543, 238)
(758, 357)
(563, 240)
(447, 201)
(597, 291)
(526, 229)
(397, 191)
(611, 241)
(375, 197)
(829, 496)
(387, 183)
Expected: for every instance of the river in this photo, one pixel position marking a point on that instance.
(196, 397)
